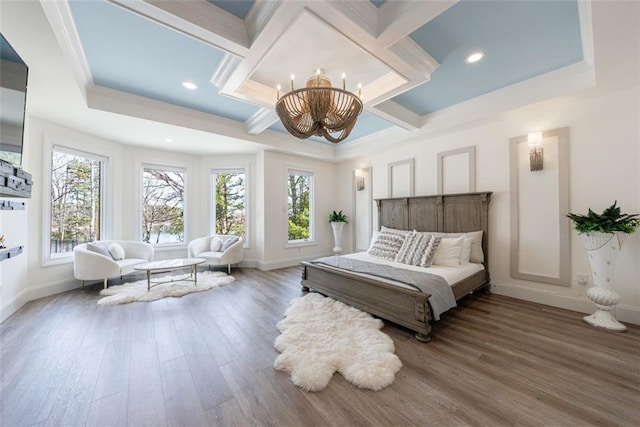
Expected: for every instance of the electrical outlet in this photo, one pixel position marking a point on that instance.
(583, 279)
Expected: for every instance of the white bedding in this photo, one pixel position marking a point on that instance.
(451, 274)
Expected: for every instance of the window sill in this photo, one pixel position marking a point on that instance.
(300, 243)
(169, 247)
(58, 261)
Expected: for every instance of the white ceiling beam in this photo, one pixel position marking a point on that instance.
(362, 13)
(195, 18)
(415, 61)
(259, 16)
(395, 113)
(273, 22)
(260, 121)
(398, 19)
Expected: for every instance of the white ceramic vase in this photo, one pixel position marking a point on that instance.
(602, 250)
(337, 237)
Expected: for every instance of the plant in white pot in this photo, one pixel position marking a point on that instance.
(602, 237)
(337, 221)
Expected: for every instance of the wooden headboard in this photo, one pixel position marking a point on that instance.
(447, 213)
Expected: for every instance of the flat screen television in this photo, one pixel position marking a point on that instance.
(13, 97)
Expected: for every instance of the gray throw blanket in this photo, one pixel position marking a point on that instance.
(441, 300)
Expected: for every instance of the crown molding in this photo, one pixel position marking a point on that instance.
(61, 20)
(260, 121)
(585, 17)
(225, 69)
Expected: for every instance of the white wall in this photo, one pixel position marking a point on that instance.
(604, 145)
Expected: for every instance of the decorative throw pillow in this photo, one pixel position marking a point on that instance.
(430, 251)
(216, 244)
(116, 251)
(384, 229)
(227, 243)
(413, 249)
(374, 237)
(99, 248)
(449, 252)
(387, 246)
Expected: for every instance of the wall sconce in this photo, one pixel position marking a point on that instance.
(534, 140)
(359, 180)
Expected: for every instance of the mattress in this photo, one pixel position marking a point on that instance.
(452, 275)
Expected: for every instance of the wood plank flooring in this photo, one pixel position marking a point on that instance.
(206, 359)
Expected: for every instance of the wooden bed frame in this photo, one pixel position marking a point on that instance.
(452, 213)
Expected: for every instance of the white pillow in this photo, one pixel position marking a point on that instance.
(476, 246)
(449, 252)
(465, 252)
(216, 244)
(116, 251)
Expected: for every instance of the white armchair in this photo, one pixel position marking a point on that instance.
(90, 265)
(202, 248)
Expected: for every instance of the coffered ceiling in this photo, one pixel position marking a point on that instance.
(130, 57)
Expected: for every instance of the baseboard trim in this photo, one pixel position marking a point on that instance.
(623, 313)
(35, 292)
(291, 262)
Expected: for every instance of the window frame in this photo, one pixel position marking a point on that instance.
(165, 167)
(311, 241)
(49, 259)
(212, 206)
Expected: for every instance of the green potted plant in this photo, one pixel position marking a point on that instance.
(338, 217)
(602, 236)
(337, 221)
(610, 221)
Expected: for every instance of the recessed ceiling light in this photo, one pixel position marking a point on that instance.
(189, 85)
(167, 139)
(474, 57)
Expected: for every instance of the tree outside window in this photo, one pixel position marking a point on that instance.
(75, 200)
(230, 210)
(299, 185)
(162, 205)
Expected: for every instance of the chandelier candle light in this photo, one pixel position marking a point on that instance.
(319, 109)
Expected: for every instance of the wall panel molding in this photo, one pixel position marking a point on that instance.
(540, 230)
(450, 179)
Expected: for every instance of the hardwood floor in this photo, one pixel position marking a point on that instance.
(206, 359)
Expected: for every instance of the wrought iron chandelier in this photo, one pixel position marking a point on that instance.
(319, 109)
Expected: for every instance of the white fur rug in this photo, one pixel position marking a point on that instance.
(321, 336)
(137, 291)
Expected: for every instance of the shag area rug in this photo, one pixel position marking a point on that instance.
(321, 336)
(137, 291)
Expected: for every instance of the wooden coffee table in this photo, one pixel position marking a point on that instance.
(171, 265)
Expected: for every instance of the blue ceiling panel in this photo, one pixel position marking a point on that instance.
(522, 39)
(141, 57)
(366, 125)
(377, 3)
(239, 8)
